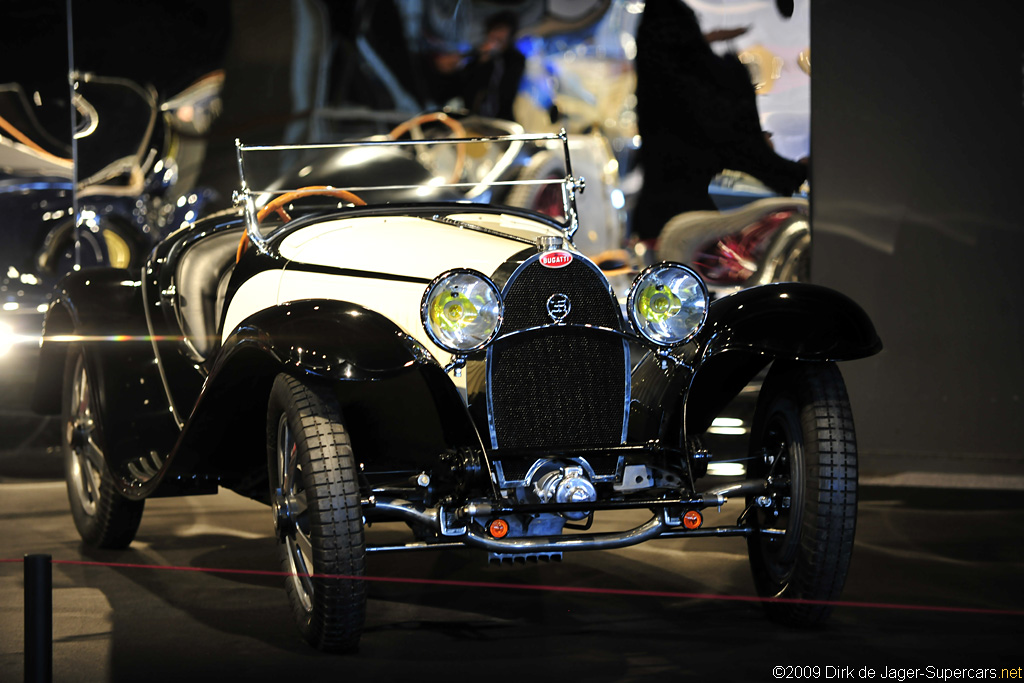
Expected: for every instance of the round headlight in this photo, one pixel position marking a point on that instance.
(668, 303)
(461, 311)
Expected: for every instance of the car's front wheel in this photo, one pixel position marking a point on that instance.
(317, 513)
(104, 518)
(802, 443)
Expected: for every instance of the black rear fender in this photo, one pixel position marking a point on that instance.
(87, 305)
(101, 310)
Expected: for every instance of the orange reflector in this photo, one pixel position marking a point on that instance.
(692, 519)
(498, 528)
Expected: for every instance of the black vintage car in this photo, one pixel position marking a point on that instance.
(456, 366)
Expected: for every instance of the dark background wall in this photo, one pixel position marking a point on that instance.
(918, 172)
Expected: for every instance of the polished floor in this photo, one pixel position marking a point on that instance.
(917, 547)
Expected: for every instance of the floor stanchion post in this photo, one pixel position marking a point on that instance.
(38, 619)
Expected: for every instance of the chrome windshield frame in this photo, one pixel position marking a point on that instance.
(570, 185)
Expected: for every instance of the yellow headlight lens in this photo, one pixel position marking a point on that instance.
(462, 311)
(658, 303)
(667, 304)
(452, 311)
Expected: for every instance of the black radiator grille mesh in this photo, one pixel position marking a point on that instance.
(526, 300)
(562, 386)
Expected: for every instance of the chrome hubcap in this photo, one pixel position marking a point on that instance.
(86, 457)
(291, 520)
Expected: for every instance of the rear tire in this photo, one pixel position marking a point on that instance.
(317, 513)
(104, 518)
(803, 440)
(545, 199)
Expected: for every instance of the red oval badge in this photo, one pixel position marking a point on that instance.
(555, 259)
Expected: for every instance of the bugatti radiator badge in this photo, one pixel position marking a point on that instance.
(556, 259)
(558, 307)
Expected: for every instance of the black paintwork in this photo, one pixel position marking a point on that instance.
(402, 411)
(392, 392)
(334, 340)
(103, 309)
(792, 320)
(743, 333)
(217, 399)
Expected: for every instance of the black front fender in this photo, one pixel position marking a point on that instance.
(399, 405)
(790, 320)
(330, 339)
(794, 320)
(743, 333)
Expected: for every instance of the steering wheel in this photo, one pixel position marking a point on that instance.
(457, 129)
(277, 205)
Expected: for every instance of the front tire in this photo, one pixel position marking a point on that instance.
(317, 513)
(104, 518)
(803, 443)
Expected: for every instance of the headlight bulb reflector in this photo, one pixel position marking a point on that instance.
(667, 304)
(461, 311)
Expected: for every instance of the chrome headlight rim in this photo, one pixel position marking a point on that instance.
(425, 311)
(635, 289)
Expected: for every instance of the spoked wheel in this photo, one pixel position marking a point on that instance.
(802, 443)
(317, 513)
(104, 518)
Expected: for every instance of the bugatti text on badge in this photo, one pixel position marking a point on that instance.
(556, 259)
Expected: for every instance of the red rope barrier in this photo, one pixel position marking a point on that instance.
(559, 589)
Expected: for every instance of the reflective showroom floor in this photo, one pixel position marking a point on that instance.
(918, 545)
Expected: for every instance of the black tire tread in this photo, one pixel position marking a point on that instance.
(333, 498)
(830, 512)
(119, 519)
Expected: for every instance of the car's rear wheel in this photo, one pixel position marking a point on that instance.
(546, 199)
(317, 513)
(803, 444)
(104, 518)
